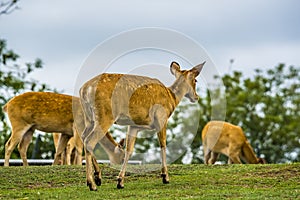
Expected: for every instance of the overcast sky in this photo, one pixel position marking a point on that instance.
(256, 34)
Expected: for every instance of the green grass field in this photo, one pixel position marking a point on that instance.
(280, 181)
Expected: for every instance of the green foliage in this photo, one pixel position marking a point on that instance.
(14, 81)
(186, 182)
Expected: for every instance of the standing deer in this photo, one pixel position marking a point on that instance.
(50, 112)
(228, 139)
(140, 102)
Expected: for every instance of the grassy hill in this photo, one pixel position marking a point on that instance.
(280, 181)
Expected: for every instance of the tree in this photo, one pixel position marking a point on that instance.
(6, 7)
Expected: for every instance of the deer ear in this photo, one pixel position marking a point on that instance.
(121, 143)
(197, 69)
(174, 68)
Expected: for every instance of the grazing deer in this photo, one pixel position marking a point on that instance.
(222, 137)
(49, 112)
(140, 102)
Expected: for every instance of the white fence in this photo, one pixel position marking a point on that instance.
(19, 162)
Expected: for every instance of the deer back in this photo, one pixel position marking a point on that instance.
(46, 111)
(128, 99)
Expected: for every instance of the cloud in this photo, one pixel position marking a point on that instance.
(62, 33)
(261, 56)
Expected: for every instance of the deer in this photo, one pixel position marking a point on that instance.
(139, 102)
(51, 112)
(220, 137)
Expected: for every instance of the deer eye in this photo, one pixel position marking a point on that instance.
(196, 80)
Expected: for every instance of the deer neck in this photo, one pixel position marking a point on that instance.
(249, 154)
(108, 144)
(179, 89)
(251, 158)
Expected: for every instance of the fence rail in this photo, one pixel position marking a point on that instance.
(38, 162)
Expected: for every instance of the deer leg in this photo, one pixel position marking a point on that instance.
(235, 160)
(91, 164)
(15, 138)
(87, 130)
(78, 154)
(234, 155)
(164, 169)
(78, 157)
(89, 120)
(206, 155)
(73, 156)
(78, 145)
(62, 144)
(93, 173)
(130, 140)
(163, 144)
(89, 168)
(63, 157)
(229, 161)
(56, 137)
(97, 172)
(68, 152)
(213, 158)
(95, 166)
(89, 146)
(23, 145)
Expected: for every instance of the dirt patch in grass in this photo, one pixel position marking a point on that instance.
(275, 172)
(286, 174)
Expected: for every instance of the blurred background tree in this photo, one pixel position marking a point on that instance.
(8, 6)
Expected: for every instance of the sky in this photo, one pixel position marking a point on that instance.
(255, 34)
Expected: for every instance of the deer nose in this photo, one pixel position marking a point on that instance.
(193, 98)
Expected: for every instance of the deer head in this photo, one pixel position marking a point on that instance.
(119, 153)
(188, 78)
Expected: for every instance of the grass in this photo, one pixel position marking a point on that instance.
(272, 181)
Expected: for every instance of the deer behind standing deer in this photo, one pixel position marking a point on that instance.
(50, 112)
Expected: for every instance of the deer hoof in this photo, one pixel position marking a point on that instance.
(165, 179)
(93, 189)
(97, 179)
(90, 185)
(120, 184)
